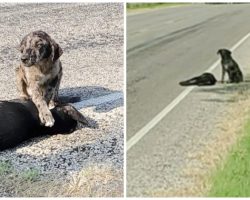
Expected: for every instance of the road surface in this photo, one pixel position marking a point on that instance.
(164, 47)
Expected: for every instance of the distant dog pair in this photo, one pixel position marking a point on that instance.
(229, 66)
(38, 80)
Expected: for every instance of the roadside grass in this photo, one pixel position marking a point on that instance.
(134, 6)
(96, 180)
(232, 178)
(201, 169)
(30, 175)
(13, 182)
(5, 167)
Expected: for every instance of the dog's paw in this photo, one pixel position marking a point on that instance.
(50, 123)
(24, 97)
(52, 104)
(47, 119)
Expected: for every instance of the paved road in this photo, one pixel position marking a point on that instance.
(165, 47)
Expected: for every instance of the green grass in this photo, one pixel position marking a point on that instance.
(30, 175)
(132, 6)
(5, 167)
(232, 179)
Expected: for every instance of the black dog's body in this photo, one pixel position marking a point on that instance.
(230, 66)
(19, 121)
(202, 80)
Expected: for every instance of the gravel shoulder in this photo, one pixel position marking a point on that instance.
(91, 36)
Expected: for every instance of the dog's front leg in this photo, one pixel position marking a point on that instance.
(223, 74)
(55, 84)
(38, 99)
(21, 84)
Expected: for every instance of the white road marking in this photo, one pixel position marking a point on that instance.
(144, 130)
(98, 100)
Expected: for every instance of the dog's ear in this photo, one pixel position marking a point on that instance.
(19, 48)
(74, 114)
(219, 51)
(57, 51)
(22, 44)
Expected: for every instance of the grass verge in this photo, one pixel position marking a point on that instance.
(5, 167)
(203, 164)
(95, 180)
(134, 6)
(232, 179)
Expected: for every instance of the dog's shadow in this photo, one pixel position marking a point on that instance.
(102, 99)
(226, 90)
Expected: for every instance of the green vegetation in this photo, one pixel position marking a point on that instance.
(132, 6)
(7, 170)
(30, 175)
(5, 167)
(31, 183)
(232, 179)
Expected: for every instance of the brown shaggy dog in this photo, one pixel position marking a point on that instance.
(40, 72)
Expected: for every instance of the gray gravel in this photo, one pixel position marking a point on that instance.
(91, 36)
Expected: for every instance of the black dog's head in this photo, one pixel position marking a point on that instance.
(67, 119)
(225, 53)
(38, 47)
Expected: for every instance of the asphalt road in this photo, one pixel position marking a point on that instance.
(163, 48)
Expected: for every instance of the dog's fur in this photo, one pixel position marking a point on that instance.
(230, 66)
(203, 80)
(19, 121)
(40, 72)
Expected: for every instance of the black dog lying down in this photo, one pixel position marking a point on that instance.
(19, 121)
(202, 80)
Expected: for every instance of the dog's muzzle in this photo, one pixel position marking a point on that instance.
(24, 58)
(28, 60)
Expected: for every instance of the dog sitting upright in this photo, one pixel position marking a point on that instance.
(39, 74)
(230, 66)
(19, 121)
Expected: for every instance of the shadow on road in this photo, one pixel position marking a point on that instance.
(226, 91)
(78, 94)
